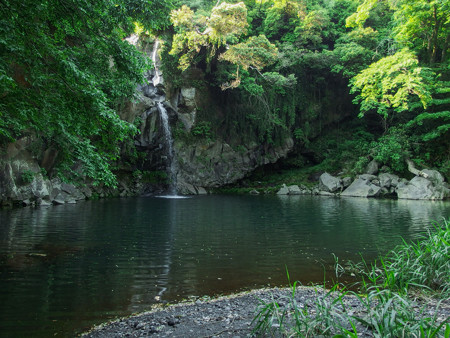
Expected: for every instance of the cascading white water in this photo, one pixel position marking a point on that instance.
(172, 168)
(156, 78)
(168, 140)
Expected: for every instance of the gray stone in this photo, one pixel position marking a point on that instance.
(189, 189)
(384, 191)
(254, 192)
(188, 96)
(367, 177)
(434, 176)
(387, 180)
(43, 203)
(372, 168)
(420, 188)
(201, 191)
(284, 190)
(294, 190)
(329, 183)
(17, 164)
(361, 188)
(346, 181)
(326, 193)
(40, 187)
(186, 188)
(86, 191)
(214, 164)
(187, 107)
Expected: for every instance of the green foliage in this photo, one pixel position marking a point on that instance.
(361, 15)
(154, 177)
(279, 82)
(203, 130)
(64, 68)
(225, 23)
(27, 176)
(282, 18)
(409, 42)
(351, 58)
(423, 264)
(256, 52)
(392, 149)
(313, 28)
(389, 83)
(423, 26)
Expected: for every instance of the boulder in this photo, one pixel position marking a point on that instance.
(420, 188)
(368, 177)
(361, 188)
(372, 168)
(388, 180)
(294, 190)
(201, 191)
(326, 193)
(434, 176)
(284, 190)
(329, 183)
(346, 181)
(185, 188)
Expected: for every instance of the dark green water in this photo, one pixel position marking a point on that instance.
(64, 268)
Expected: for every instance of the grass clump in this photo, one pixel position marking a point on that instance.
(422, 265)
(385, 306)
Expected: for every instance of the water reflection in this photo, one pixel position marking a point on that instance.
(64, 267)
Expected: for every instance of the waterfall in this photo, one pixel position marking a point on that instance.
(172, 167)
(157, 77)
(159, 98)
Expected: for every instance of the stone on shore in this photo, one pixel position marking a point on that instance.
(420, 188)
(329, 183)
(361, 188)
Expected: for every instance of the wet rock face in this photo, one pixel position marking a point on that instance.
(216, 164)
(187, 107)
(22, 182)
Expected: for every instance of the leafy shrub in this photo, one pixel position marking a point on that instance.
(27, 176)
(154, 177)
(203, 130)
(392, 149)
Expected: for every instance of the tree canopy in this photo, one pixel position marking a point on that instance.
(277, 65)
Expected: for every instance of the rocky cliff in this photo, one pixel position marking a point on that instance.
(201, 164)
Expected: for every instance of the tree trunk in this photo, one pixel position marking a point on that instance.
(412, 169)
(444, 48)
(437, 23)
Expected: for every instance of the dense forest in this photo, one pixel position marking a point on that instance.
(278, 69)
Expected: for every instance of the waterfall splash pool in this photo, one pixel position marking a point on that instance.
(65, 268)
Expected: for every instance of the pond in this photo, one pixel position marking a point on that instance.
(64, 268)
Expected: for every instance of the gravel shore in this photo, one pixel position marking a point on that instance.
(230, 316)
